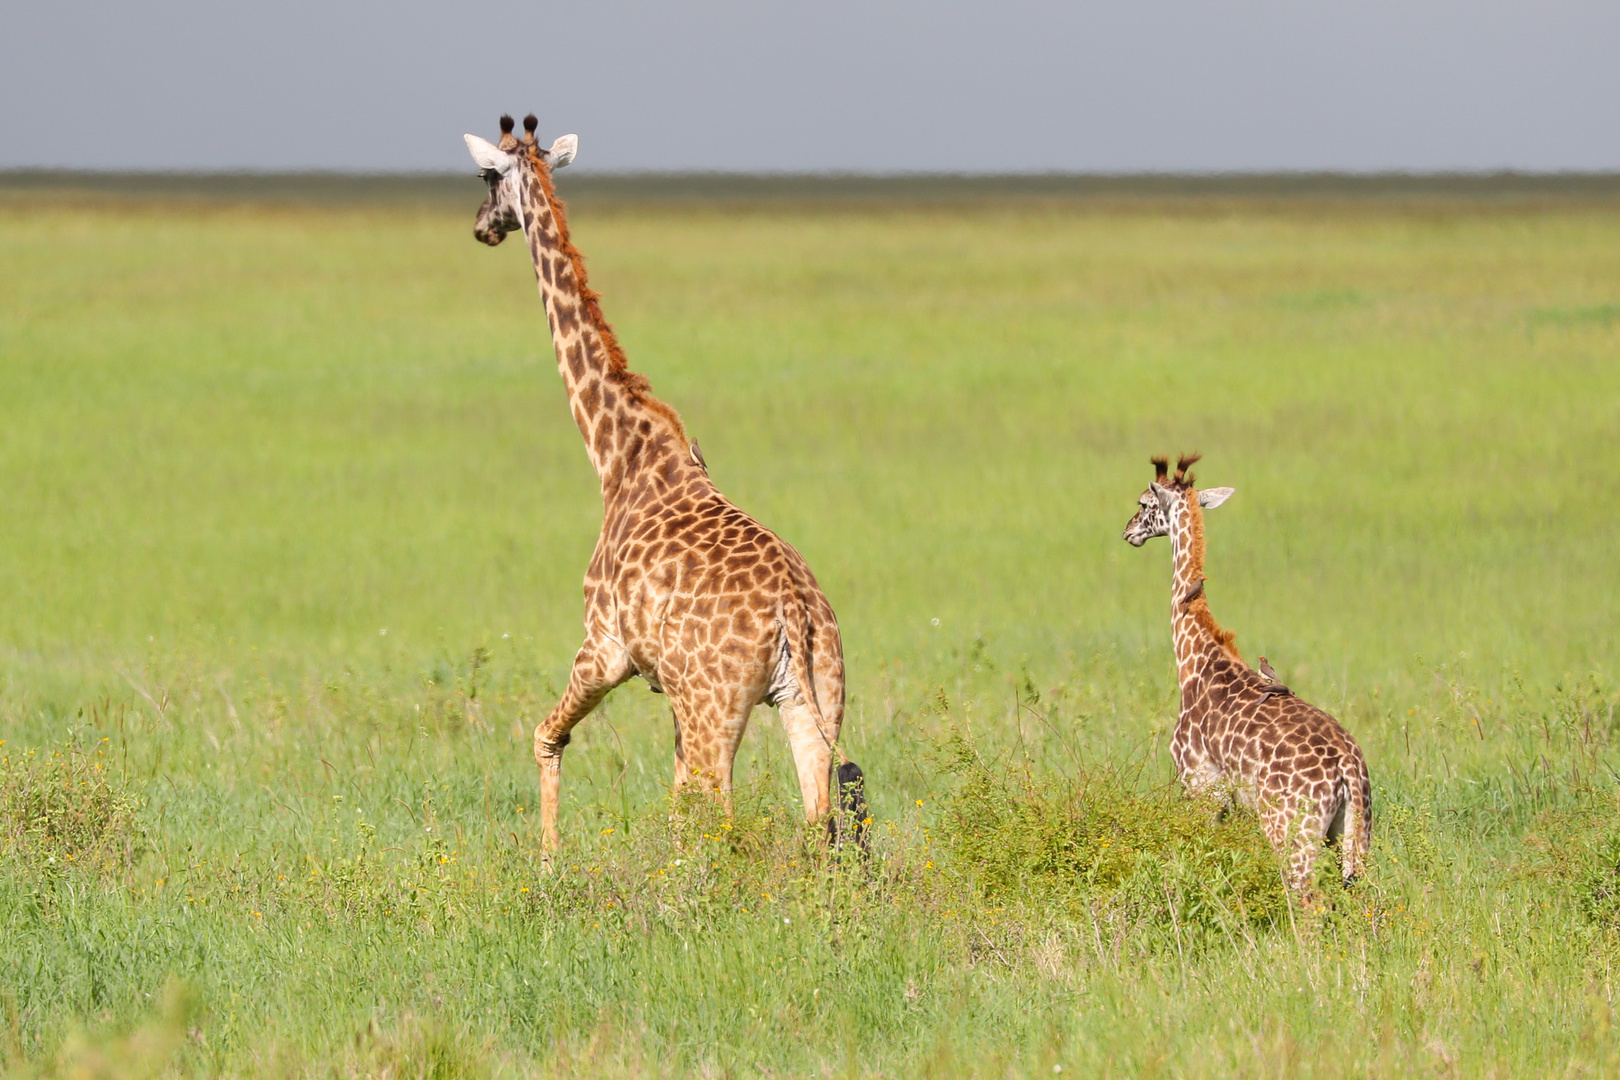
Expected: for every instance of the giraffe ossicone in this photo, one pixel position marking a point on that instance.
(1239, 732)
(710, 607)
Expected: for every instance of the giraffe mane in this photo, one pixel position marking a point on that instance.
(1198, 608)
(634, 384)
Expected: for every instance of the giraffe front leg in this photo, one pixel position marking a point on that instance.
(1202, 781)
(1302, 865)
(598, 668)
(1295, 833)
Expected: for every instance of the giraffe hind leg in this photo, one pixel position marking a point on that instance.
(1341, 834)
(812, 756)
(708, 732)
(1356, 827)
(1335, 825)
(813, 761)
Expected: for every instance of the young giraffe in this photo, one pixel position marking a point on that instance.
(684, 589)
(1240, 732)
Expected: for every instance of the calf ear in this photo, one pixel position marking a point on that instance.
(489, 156)
(1210, 498)
(563, 150)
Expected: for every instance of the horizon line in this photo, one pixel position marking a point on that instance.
(825, 189)
(16, 171)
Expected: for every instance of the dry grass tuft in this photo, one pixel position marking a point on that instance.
(64, 806)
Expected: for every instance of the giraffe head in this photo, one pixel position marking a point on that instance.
(503, 166)
(1165, 496)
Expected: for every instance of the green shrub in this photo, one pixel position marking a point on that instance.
(1599, 887)
(1093, 843)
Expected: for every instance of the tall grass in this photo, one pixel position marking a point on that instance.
(295, 519)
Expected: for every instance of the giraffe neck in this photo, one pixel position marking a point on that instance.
(626, 428)
(1198, 638)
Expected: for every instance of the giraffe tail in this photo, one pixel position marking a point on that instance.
(1358, 825)
(797, 627)
(850, 813)
(852, 816)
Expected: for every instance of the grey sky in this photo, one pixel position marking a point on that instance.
(877, 86)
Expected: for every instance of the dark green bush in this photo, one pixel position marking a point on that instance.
(1598, 888)
(1093, 843)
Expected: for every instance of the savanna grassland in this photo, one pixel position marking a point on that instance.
(294, 519)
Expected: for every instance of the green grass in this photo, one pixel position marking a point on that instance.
(294, 524)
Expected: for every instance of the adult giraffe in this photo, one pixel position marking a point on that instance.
(684, 589)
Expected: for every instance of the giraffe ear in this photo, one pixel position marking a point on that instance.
(563, 150)
(1210, 498)
(489, 156)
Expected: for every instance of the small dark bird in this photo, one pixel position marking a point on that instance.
(1275, 688)
(1193, 593)
(697, 456)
